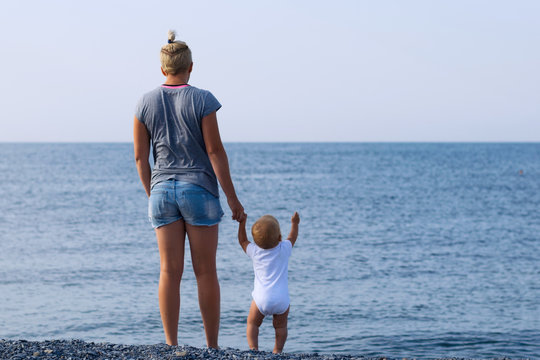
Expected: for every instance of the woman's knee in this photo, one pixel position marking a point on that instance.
(172, 269)
(205, 272)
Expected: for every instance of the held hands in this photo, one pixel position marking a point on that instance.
(237, 209)
(242, 220)
(295, 218)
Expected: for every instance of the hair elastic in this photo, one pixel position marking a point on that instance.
(170, 41)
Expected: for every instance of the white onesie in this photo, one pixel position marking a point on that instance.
(271, 288)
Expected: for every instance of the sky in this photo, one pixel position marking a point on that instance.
(307, 71)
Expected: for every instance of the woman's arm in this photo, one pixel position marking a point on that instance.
(141, 145)
(220, 163)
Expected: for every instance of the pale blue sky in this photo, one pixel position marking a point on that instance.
(283, 70)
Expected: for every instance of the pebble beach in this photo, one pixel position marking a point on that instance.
(78, 349)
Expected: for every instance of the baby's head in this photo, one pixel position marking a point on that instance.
(175, 56)
(266, 233)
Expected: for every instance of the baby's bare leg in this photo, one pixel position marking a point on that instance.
(254, 320)
(280, 325)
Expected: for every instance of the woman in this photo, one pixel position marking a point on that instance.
(180, 122)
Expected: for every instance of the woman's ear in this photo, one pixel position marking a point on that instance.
(163, 72)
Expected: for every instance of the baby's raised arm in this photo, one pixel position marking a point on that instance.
(295, 220)
(242, 236)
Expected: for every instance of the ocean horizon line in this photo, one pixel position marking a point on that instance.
(283, 142)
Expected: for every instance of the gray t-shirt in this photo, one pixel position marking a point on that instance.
(173, 118)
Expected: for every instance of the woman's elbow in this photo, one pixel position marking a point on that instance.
(140, 158)
(215, 152)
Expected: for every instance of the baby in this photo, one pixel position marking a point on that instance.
(270, 258)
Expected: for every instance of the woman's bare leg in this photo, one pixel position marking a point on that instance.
(254, 320)
(171, 240)
(280, 325)
(203, 242)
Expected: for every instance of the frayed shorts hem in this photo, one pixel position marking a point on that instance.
(165, 222)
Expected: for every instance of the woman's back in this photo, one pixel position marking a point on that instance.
(172, 116)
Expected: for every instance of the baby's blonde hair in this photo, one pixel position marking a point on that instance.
(266, 232)
(175, 56)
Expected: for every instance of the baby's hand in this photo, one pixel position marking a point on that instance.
(243, 219)
(295, 218)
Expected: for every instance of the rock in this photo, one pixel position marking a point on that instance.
(181, 353)
(36, 353)
(47, 351)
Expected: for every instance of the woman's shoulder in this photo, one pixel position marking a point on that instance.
(150, 95)
(198, 91)
(206, 99)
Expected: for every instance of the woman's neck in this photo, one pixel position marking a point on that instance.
(177, 79)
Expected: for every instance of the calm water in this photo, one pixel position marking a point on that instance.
(405, 250)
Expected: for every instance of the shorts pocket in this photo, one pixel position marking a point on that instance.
(202, 208)
(159, 205)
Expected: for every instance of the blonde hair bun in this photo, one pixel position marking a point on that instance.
(171, 35)
(175, 56)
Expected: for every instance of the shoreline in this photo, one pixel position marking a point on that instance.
(78, 349)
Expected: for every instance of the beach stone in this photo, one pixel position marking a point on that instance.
(181, 353)
(47, 351)
(36, 353)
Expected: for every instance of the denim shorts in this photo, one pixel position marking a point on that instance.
(173, 200)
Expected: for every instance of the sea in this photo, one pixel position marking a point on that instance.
(416, 250)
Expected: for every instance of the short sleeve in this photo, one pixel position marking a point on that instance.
(140, 110)
(287, 247)
(211, 104)
(250, 250)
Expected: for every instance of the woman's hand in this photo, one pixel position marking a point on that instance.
(236, 208)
